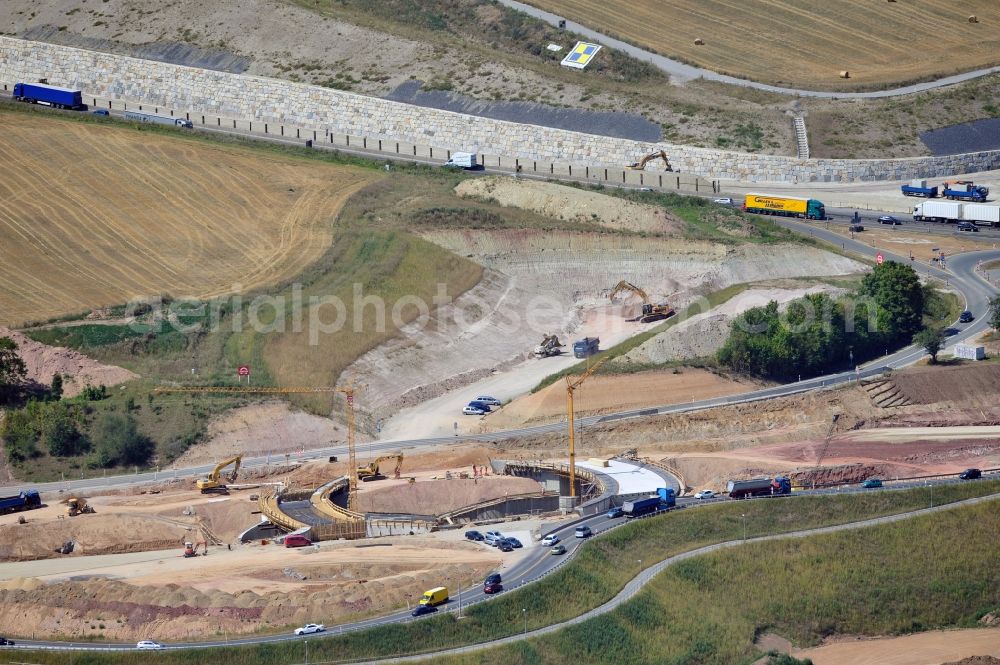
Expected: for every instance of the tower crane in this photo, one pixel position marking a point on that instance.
(571, 386)
(347, 390)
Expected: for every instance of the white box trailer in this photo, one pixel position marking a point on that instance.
(982, 214)
(937, 211)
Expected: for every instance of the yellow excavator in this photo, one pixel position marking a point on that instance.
(77, 506)
(371, 470)
(213, 484)
(641, 164)
(650, 312)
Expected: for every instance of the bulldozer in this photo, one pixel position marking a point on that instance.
(213, 484)
(77, 506)
(650, 311)
(191, 549)
(550, 346)
(641, 164)
(371, 471)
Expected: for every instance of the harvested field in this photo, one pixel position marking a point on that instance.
(90, 216)
(878, 43)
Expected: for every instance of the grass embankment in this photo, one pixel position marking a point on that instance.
(595, 575)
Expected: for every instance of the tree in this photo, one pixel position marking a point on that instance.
(117, 441)
(56, 391)
(995, 312)
(19, 436)
(932, 339)
(12, 370)
(59, 433)
(896, 290)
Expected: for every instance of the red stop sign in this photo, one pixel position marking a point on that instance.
(244, 370)
(879, 258)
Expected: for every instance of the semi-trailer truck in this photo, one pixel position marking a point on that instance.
(664, 500)
(784, 206)
(937, 211)
(137, 116)
(26, 500)
(919, 188)
(49, 95)
(981, 214)
(740, 489)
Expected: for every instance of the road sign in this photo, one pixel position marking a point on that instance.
(879, 258)
(243, 370)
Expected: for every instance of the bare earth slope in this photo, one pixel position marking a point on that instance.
(90, 216)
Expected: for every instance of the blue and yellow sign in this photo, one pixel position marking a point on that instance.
(581, 55)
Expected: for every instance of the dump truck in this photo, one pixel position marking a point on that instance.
(668, 498)
(137, 116)
(550, 346)
(213, 484)
(937, 211)
(741, 489)
(919, 188)
(78, 506)
(26, 500)
(49, 95)
(664, 500)
(965, 191)
(762, 204)
(587, 346)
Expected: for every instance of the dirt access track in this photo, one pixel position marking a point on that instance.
(88, 217)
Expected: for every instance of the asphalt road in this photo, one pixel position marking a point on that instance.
(680, 72)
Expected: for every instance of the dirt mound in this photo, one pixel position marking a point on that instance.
(570, 203)
(43, 362)
(976, 660)
(436, 497)
(976, 384)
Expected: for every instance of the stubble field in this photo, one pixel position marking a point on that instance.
(90, 216)
(804, 43)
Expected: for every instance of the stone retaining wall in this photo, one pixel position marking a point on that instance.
(251, 98)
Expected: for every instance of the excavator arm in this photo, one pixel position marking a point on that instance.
(212, 483)
(660, 154)
(371, 470)
(623, 286)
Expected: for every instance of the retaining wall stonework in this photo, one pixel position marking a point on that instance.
(256, 99)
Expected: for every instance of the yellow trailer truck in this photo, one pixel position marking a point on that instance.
(436, 596)
(763, 204)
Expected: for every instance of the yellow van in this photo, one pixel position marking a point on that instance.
(436, 596)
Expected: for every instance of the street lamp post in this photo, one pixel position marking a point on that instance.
(744, 516)
(460, 599)
(306, 643)
(524, 613)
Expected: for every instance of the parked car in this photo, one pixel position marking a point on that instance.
(616, 512)
(475, 535)
(148, 644)
(421, 610)
(965, 317)
(888, 219)
(504, 545)
(558, 549)
(492, 537)
(492, 587)
(723, 200)
(968, 226)
(4, 642)
(297, 540)
(872, 483)
(480, 405)
(550, 540)
(970, 474)
(705, 494)
(473, 411)
(103, 112)
(486, 399)
(310, 628)
(583, 532)
(493, 578)
(515, 543)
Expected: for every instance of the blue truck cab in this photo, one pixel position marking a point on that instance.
(49, 95)
(587, 346)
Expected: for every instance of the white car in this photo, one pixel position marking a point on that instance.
(148, 644)
(726, 201)
(473, 411)
(705, 494)
(486, 399)
(550, 540)
(310, 628)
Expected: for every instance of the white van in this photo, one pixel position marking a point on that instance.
(462, 160)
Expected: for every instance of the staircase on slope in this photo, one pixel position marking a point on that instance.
(801, 137)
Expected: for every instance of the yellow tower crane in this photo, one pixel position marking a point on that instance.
(571, 386)
(348, 391)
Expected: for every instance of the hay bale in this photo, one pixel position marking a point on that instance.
(699, 42)
(845, 74)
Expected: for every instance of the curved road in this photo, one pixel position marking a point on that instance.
(681, 72)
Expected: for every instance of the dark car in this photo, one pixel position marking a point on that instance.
(482, 406)
(968, 226)
(493, 578)
(965, 317)
(492, 587)
(475, 535)
(504, 545)
(970, 474)
(103, 112)
(615, 512)
(514, 542)
(4, 642)
(888, 219)
(872, 483)
(421, 610)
